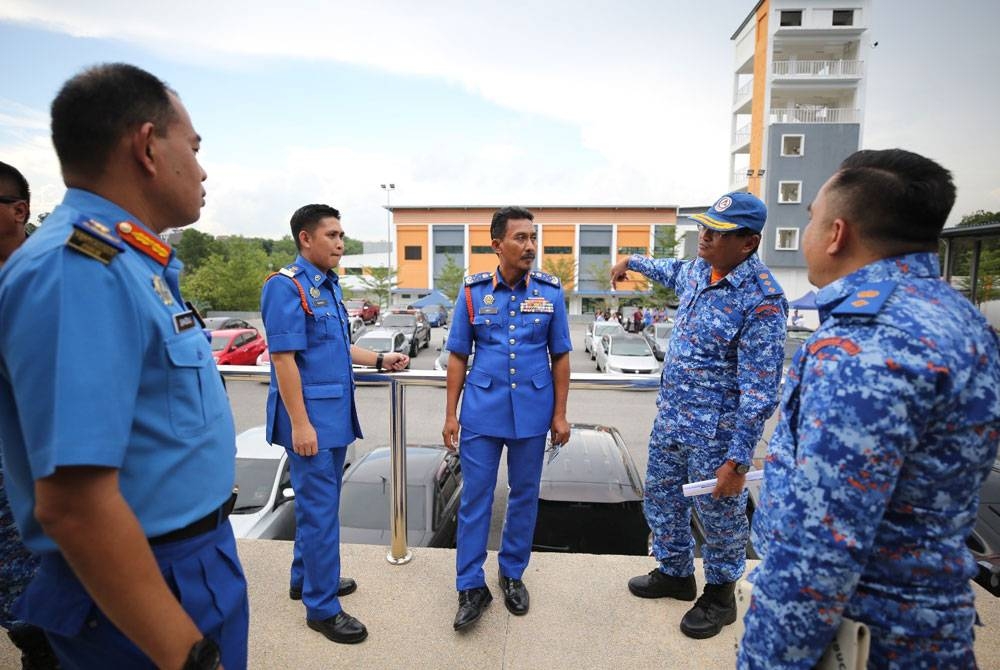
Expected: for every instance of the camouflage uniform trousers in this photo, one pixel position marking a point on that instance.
(17, 564)
(668, 512)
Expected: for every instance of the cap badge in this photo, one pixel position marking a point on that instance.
(723, 204)
(314, 292)
(488, 299)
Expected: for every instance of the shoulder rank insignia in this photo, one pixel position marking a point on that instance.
(545, 277)
(867, 300)
(768, 284)
(476, 278)
(289, 270)
(94, 239)
(145, 243)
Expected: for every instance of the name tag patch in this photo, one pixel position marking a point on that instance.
(184, 321)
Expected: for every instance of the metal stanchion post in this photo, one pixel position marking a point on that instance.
(399, 553)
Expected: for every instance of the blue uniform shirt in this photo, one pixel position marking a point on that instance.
(100, 366)
(889, 423)
(722, 367)
(322, 345)
(508, 392)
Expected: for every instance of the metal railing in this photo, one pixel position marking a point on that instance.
(399, 553)
(743, 92)
(817, 68)
(815, 115)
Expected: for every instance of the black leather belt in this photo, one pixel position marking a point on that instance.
(205, 524)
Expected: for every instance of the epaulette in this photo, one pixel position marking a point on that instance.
(94, 239)
(144, 243)
(545, 277)
(290, 270)
(867, 300)
(768, 284)
(476, 278)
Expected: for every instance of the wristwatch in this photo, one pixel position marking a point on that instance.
(741, 468)
(204, 655)
(378, 362)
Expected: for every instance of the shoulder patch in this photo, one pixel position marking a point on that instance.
(144, 243)
(867, 300)
(477, 278)
(288, 271)
(94, 239)
(768, 284)
(545, 277)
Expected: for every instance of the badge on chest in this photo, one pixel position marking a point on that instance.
(537, 306)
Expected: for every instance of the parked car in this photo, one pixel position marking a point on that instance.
(984, 542)
(384, 340)
(357, 326)
(794, 338)
(364, 309)
(596, 330)
(590, 499)
(265, 357)
(625, 353)
(413, 325)
(433, 491)
(237, 346)
(441, 362)
(265, 503)
(224, 323)
(658, 337)
(436, 315)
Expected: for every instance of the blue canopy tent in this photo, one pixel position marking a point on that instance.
(808, 301)
(435, 297)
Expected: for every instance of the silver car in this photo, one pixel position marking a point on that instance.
(658, 336)
(383, 341)
(597, 330)
(626, 354)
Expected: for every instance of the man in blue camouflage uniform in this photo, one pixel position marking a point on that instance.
(889, 423)
(719, 385)
(516, 320)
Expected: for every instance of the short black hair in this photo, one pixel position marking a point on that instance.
(307, 218)
(13, 183)
(899, 199)
(94, 109)
(498, 226)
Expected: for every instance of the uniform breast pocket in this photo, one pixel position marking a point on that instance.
(321, 326)
(538, 326)
(189, 364)
(487, 328)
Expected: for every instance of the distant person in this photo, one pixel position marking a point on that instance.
(647, 317)
(311, 410)
(599, 317)
(15, 209)
(118, 440)
(515, 318)
(719, 385)
(637, 320)
(889, 425)
(796, 319)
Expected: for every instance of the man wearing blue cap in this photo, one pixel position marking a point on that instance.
(719, 384)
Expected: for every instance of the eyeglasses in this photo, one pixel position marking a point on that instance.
(10, 199)
(737, 232)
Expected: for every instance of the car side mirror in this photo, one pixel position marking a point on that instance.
(287, 493)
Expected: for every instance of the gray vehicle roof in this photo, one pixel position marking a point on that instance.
(593, 466)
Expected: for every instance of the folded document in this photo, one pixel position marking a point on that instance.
(707, 486)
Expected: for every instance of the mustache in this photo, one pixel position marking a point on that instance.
(528, 257)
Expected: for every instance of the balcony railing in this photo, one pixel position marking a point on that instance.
(817, 68)
(739, 180)
(743, 92)
(816, 115)
(741, 136)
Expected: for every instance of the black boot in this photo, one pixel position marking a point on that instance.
(658, 584)
(715, 608)
(36, 653)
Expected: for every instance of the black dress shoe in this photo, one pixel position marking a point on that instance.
(347, 587)
(342, 628)
(715, 608)
(515, 595)
(657, 584)
(471, 604)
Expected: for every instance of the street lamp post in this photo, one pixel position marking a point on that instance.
(388, 188)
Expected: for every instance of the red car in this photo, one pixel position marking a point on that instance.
(363, 309)
(237, 346)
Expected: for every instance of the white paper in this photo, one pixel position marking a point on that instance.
(708, 485)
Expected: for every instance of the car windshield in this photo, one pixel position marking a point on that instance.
(663, 330)
(404, 320)
(377, 344)
(605, 328)
(354, 304)
(220, 342)
(366, 505)
(255, 477)
(629, 348)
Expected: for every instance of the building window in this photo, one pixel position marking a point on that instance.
(412, 253)
(789, 192)
(594, 251)
(558, 250)
(843, 17)
(448, 249)
(792, 145)
(476, 249)
(628, 251)
(787, 239)
(791, 17)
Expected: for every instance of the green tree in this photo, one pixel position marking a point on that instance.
(352, 247)
(380, 283)
(563, 267)
(988, 272)
(229, 281)
(195, 247)
(664, 246)
(449, 281)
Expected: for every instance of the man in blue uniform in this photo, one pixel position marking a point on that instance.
(889, 423)
(118, 441)
(719, 385)
(311, 410)
(515, 319)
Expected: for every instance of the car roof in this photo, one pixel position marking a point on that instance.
(252, 443)
(625, 337)
(378, 332)
(229, 332)
(593, 466)
(422, 464)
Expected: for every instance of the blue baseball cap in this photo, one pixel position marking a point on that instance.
(732, 211)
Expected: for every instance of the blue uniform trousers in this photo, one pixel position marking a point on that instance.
(480, 456)
(668, 512)
(316, 555)
(204, 573)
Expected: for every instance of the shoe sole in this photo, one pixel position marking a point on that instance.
(297, 595)
(338, 640)
(478, 616)
(646, 594)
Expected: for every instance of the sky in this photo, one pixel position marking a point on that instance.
(478, 102)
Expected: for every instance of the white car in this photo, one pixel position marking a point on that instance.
(384, 341)
(626, 354)
(597, 330)
(265, 504)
